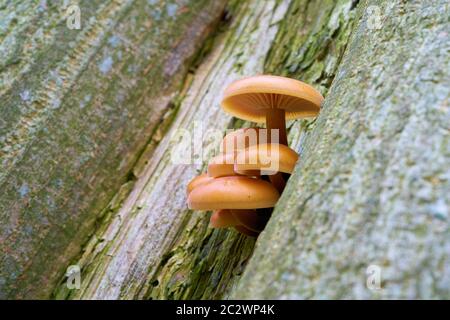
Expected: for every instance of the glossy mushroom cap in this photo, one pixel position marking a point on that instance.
(249, 98)
(197, 181)
(221, 165)
(246, 231)
(268, 157)
(223, 219)
(237, 192)
(241, 139)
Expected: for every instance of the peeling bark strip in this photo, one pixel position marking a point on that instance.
(77, 107)
(373, 185)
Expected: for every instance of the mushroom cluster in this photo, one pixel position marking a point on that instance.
(245, 180)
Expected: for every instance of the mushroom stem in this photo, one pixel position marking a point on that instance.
(276, 119)
(251, 219)
(278, 181)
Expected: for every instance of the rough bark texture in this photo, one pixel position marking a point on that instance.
(77, 107)
(373, 183)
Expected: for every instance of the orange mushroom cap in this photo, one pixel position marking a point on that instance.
(241, 139)
(221, 165)
(223, 219)
(236, 192)
(249, 98)
(197, 181)
(268, 157)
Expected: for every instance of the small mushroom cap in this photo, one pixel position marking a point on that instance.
(221, 165)
(223, 219)
(237, 192)
(249, 98)
(268, 157)
(197, 181)
(241, 139)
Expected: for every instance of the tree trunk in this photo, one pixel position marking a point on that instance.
(87, 136)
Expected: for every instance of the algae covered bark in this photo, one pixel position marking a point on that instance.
(77, 107)
(371, 191)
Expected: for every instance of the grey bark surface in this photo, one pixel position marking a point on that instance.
(373, 182)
